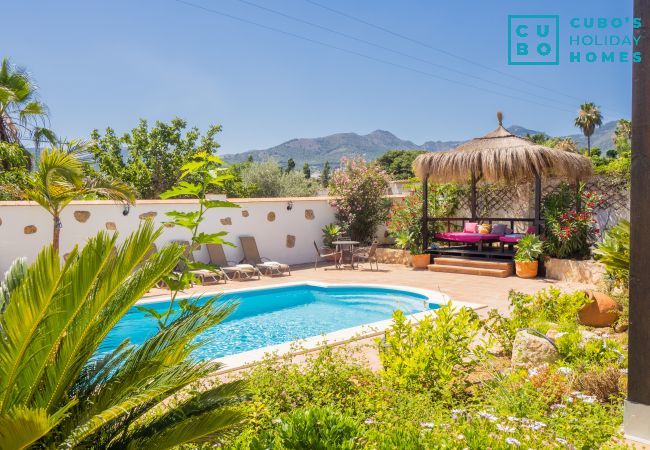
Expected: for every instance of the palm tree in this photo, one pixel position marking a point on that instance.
(566, 144)
(589, 117)
(21, 114)
(623, 129)
(57, 391)
(59, 179)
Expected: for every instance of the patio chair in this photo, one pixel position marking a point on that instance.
(327, 252)
(203, 274)
(231, 269)
(252, 256)
(367, 254)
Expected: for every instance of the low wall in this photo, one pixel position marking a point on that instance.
(587, 272)
(282, 234)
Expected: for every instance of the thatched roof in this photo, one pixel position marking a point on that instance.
(501, 156)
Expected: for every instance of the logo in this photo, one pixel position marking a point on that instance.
(534, 40)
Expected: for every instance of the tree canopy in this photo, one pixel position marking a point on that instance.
(398, 163)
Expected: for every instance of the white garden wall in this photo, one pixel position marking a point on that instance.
(282, 234)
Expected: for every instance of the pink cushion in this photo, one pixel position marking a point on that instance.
(469, 238)
(511, 238)
(532, 229)
(470, 227)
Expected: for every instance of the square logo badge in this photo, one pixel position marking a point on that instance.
(534, 40)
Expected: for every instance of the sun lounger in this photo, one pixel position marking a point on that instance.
(265, 265)
(231, 269)
(203, 275)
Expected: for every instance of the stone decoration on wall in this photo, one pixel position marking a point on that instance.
(81, 216)
(148, 215)
(291, 241)
(244, 213)
(30, 229)
(110, 226)
(270, 216)
(226, 221)
(309, 214)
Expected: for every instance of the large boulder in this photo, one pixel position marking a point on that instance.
(601, 311)
(532, 350)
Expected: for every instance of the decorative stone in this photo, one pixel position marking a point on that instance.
(0, 221)
(291, 241)
(169, 225)
(309, 214)
(601, 311)
(270, 216)
(148, 215)
(111, 226)
(529, 350)
(244, 213)
(30, 229)
(82, 216)
(226, 221)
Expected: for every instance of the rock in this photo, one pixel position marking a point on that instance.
(244, 213)
(601, 311)
(148, 215)
(270, 216)
(530, 350)
(621, 327)
(30, 229)
(81, 216)
(226, 221)
(309, 214)
(111, 226)
(291, 241)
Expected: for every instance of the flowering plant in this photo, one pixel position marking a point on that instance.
(360, 189)
(405, 217)
(570, 232)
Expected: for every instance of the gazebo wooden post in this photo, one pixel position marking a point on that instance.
(473, 197)
(636, 422)
(538, 202)
(425, 214)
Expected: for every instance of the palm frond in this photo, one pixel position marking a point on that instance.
(21, 426)
(28, 307)
(12, 279)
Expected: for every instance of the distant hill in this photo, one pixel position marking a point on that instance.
(316, 151)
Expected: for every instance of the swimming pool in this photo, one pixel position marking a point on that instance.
(275, 315)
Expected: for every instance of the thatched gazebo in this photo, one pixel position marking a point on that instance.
(498, 156)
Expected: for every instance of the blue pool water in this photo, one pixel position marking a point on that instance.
(275, 315)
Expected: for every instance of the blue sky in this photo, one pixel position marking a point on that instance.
(108, 63)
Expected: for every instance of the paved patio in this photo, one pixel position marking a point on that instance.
(492, 292)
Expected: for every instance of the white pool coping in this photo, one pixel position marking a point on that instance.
(312, 343)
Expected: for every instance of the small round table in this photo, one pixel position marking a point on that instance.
(350, 245)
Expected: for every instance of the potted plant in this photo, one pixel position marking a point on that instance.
(529, 248)
(331, 233)
(411, 241)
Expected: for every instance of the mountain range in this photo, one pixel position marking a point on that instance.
(315, 151)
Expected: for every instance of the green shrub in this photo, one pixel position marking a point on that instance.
(435, 354)
(547, 308)
(569, 232)
(614, 253)
(316, 429)
(361, 205)
(529, 248)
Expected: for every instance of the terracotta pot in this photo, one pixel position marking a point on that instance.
(526, 269)
(420, 261)
(601, 311)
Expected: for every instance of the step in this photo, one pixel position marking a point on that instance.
(498, 273)
(476, 263)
